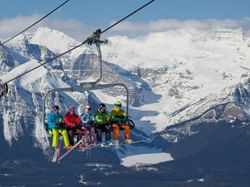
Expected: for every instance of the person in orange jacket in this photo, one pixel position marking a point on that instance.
(73, 123)
(119, 118)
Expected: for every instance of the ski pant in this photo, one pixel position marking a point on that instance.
(79, 133)
(116, 127)
(91, 134)
(103, 128)
(82, 133)
(55, 137)
(71, 133)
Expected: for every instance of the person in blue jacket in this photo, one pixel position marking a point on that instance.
(88, 122)
(56, 127)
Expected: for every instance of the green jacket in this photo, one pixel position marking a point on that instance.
(101, 118)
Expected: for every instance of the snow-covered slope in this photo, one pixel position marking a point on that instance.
(192, 70)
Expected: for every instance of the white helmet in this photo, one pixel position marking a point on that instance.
(87, 107)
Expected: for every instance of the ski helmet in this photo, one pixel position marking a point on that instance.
(87, 107)
(118, 103)
(55, 107)
(72, 108)
(102, 105)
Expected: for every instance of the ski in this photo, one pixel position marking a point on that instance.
(120, 144)
(70, 150)
(87, 147)
(55, 156)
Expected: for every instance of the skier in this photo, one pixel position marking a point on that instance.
(119, 118)
(88, 122)
(73, 124)
(56, 126)
(102, 124)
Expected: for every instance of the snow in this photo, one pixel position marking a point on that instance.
(41, 135)
(54, 40)
(109, 99)
(203, 67)
(6, 129)
(36, 79)
(21, 69)
(146, 159)
(199, 180)
(58, 42)
(136, 155)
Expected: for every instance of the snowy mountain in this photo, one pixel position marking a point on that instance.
(186, 86)
(191, 70)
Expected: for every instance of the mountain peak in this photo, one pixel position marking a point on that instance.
(53, 39)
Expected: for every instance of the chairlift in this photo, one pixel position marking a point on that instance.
(94, 38)
(94, 85)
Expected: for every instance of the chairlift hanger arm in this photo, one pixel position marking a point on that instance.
(103, 86)
(98, 42)
(86, 87)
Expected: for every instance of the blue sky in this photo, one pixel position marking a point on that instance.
(90, 14)
(97, 11)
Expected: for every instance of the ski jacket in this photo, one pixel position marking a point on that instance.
(54, 119)
(72, 120)
(102, 117)
(87, 117)
(118, 112)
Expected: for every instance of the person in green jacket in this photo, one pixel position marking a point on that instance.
(102, 124)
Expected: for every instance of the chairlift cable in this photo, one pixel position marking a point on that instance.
(132, 13)
(47, 61)
(35, 22)
(90, 39)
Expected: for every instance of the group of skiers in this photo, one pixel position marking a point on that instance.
(88, 126)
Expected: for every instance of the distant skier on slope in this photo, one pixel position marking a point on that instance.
(56, 127)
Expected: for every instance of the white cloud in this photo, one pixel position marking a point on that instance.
(80, 31)
(11, 26)
(170, 24)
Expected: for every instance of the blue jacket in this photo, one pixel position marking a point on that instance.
(54, 119)
(87, 117)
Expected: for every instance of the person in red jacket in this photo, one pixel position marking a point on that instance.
(73, 123)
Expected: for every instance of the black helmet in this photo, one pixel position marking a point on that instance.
(55, 107)
(102, 105)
